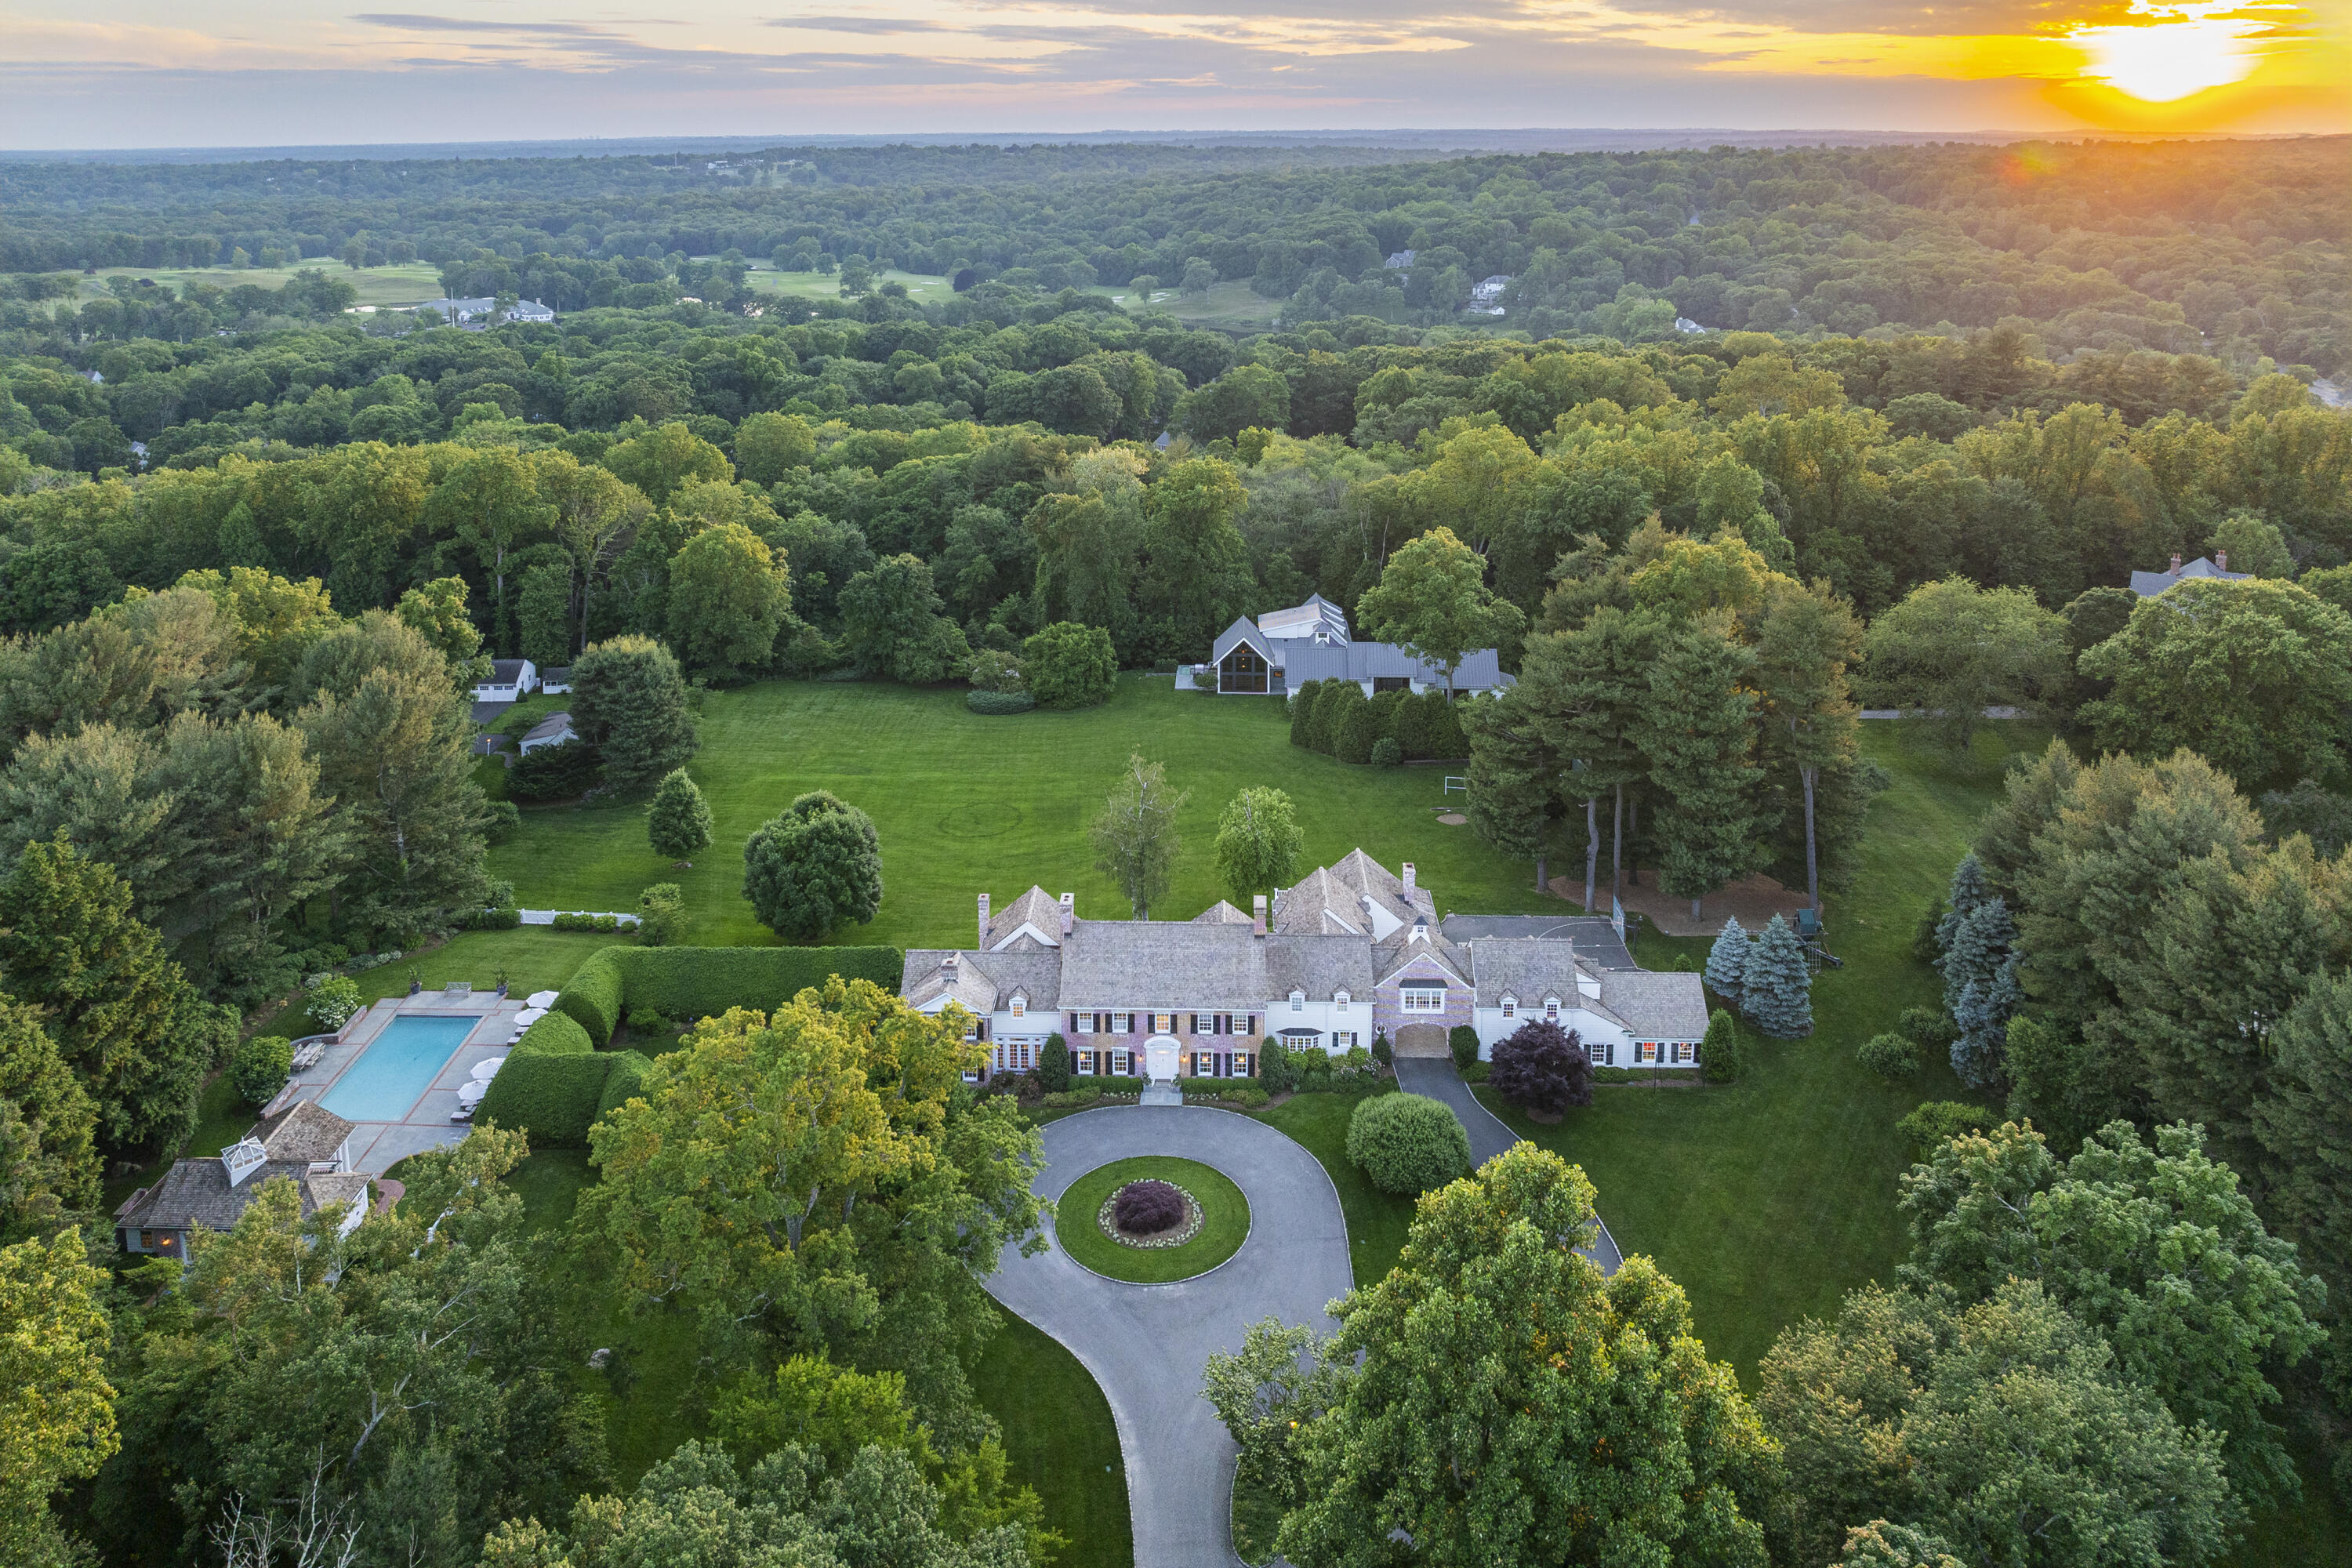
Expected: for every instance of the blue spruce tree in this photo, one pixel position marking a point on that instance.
(1777, 989)
(1967, 890)
(1979, 942)
(1980, 1050)
(1727, 962)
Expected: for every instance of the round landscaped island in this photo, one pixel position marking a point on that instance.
(1151, 1220)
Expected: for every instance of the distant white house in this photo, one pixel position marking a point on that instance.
(2148, 584)
(1486, 295)
(1282, 650)
(483, 310)
(1684, 324)
(1399, 261)
(511, 681)
(552, 730)
(555, 683)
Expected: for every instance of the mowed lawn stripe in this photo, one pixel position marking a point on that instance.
(965, 804)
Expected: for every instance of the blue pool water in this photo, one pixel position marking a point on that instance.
(399, 1065)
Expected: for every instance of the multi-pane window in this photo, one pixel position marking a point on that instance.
(1083, 1022)
(1646, 1050)
(1510, 1008)
(1298, 1001)
(1423, 999)
(1163, 1022)
(1339, 1001)
(1122, 1022)
(1552, 1009)
(1020, 1006)
(1601, 1052)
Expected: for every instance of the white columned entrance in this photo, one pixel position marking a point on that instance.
(1159, 1057)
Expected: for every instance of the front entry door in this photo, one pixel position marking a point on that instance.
(1159, 1059)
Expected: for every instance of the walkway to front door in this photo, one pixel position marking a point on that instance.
(1160, 1055)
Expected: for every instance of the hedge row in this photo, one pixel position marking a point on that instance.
(550, 1086)
(690, 982)
(1336, 717)
(553, 1098)
(558, 1082)
(624, 1083)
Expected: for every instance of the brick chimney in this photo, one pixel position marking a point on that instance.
(1408, 876)
(982, 943)
(1257, 914)
(1069, 912)
(2176, 563)
(2221, 561)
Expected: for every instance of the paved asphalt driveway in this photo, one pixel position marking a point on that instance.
(1146, 1344)
(1435, 1076)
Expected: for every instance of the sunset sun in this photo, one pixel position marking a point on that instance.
(2180, 50)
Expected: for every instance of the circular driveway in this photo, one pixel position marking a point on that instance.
(1146, 1344)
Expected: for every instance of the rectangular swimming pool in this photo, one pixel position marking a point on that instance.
(399, 1065)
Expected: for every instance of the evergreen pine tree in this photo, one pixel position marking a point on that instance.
(1982, 1013)
(1967, 891)
(678, 824)
(1697, 733)
(1981, 941)
(1777, 988)
(1727, 961)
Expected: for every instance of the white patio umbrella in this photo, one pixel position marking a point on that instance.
(530, 1016)
(541, 999)
(486, 1068)
(470, 1092)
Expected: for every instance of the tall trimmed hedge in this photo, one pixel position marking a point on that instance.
(553, 1098)
(626, 1079)
(689, 982)
(1302, 713)
(593, 996)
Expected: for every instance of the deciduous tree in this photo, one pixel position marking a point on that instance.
(1258, 844)
(1135, 839)
(1513, 1404)
(1433, 598)
(815, 866)
(628, 701)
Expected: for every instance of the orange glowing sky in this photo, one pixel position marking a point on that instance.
(131, 72)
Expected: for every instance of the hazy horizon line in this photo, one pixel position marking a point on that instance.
(1400, 137)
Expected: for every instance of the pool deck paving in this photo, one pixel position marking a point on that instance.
(377, 1146)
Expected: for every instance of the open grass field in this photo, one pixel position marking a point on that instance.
(409, 284)
(1227, 304)
(1225, 1220)
(921, 287)
(966, 804)
(530, 958)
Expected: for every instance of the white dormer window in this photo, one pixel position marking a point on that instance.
(1020, 1006)
(1552, 1009)
(1339, 1001)
(1510, 1008)
(1298, 1001)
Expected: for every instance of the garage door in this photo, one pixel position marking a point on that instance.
(1420, 1040)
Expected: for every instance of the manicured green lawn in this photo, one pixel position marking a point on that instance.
(532, 958)
(1768, 1199)
(1376, 1220)
(1060, 1439)
(966, 804)
(1225, 1220)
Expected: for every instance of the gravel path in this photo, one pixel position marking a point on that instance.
(1437, 1077)
(1146, 1344)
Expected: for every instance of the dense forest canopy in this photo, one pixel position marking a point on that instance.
(2098, 245)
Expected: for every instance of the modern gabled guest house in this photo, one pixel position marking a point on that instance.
(1351, 951)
